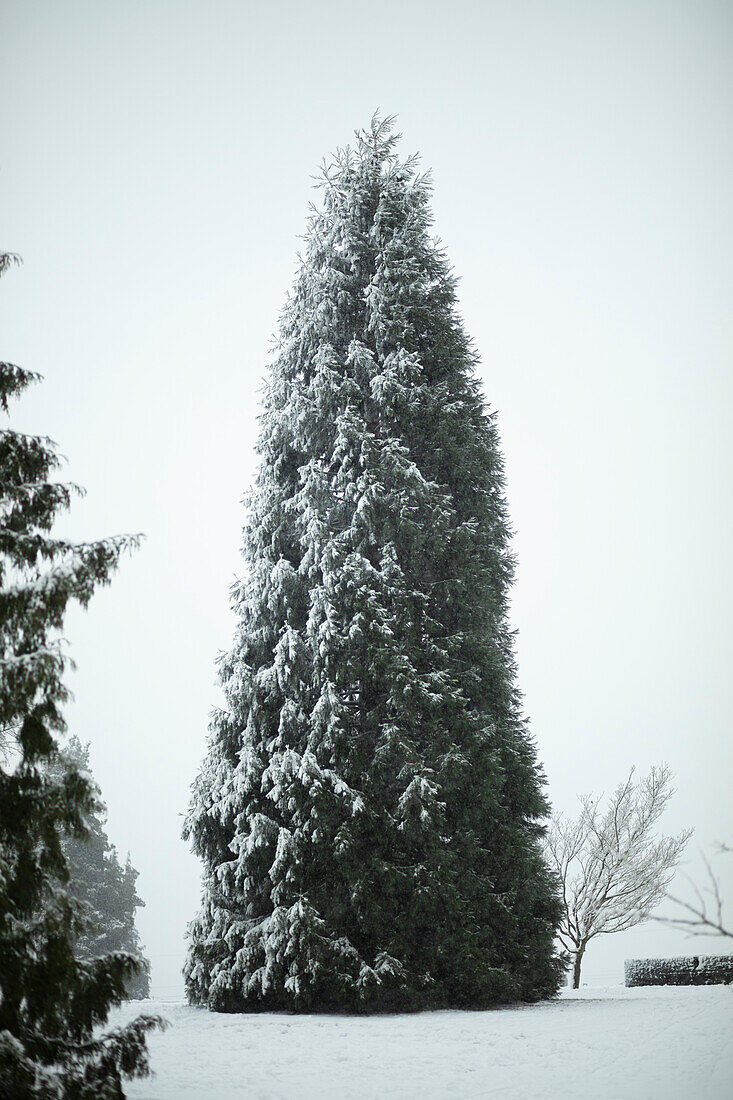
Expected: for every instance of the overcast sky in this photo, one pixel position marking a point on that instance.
(156, 167)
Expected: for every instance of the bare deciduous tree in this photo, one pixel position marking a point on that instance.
(704, 915)
(612, 869)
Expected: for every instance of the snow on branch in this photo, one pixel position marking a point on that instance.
(611, 867)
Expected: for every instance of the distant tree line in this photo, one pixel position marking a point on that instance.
(104, 888)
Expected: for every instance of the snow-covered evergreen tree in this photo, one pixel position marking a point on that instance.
(104, 888)
(369, 809)
(51, 1003)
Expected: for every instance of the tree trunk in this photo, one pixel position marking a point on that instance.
(576, 966)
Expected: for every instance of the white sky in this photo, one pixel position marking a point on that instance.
(157, 160)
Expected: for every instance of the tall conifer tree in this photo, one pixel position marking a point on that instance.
(369, 808)
(51, 1003)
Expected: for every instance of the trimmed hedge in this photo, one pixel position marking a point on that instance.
(686, 970)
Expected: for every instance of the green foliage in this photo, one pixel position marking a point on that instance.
(370, 807)
(103, 887)
(50, 1002)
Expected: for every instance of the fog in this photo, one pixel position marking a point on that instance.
(157, 164)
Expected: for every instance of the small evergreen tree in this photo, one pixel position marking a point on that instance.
(104, 888)
(50, 1002)
(369, 810)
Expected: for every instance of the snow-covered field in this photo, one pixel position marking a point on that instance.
(598, 1044)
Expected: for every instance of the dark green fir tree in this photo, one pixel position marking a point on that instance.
(51, 1003)
(370, 807)
(104, 888)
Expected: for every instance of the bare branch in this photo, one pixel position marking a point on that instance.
(705, 917)
(611, 869)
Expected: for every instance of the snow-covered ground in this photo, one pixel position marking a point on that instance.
(598, 1044)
